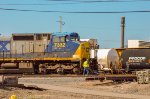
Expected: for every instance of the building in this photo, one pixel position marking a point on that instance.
(138, 44)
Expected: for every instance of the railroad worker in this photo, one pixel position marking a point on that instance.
(86, 67)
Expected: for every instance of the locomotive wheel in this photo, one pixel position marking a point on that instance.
(60, 71)
(76, 70)
(43, 71)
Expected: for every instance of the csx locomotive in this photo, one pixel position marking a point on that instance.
(43, 52)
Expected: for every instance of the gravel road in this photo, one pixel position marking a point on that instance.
(75, 88)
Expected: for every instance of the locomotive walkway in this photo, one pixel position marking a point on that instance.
(88, 92)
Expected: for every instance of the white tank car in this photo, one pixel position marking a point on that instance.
(93, 53)
(108, 59)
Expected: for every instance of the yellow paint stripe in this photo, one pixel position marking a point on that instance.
(21, 59)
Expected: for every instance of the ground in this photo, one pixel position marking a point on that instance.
(75, 88)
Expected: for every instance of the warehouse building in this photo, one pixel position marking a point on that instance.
(138, 44)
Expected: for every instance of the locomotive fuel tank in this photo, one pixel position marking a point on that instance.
(137, 58)
(107, 59)
(9, 65)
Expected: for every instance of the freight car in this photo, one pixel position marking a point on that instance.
(43, 52)
(108, 60)
(124, 60)
(133, 59)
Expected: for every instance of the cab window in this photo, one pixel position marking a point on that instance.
(74, 38)
(59, 39)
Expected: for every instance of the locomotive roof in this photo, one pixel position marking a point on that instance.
(29, 33)
(5, 38)
(64, 33)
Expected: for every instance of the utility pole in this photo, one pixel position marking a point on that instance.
(61, 24)
(122, 31)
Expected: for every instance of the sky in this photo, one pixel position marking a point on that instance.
(82, 16)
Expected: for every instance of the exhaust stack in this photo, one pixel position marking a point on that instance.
(122, 31)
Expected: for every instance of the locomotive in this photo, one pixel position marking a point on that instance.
(43, 53)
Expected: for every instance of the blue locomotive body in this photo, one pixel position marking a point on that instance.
(63, 45)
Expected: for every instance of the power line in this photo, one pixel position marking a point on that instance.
(76, 2)
(66, 2)
(84, 1)
(97, 0)
(19, 4)
(27, 10)
(78, 12)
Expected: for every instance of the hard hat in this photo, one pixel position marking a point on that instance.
(13, 97)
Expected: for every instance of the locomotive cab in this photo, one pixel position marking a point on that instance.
(61, 42)
(63, 45)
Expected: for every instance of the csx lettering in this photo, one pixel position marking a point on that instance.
(59, 44)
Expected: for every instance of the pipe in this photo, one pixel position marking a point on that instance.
(122, 31)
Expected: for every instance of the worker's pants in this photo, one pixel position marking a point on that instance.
(86, 71)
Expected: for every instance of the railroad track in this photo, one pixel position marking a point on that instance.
(43, 75)
(70, 75)
(116, 78)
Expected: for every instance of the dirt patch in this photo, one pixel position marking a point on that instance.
(32, 92)
(126, 87)
(46, 94)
